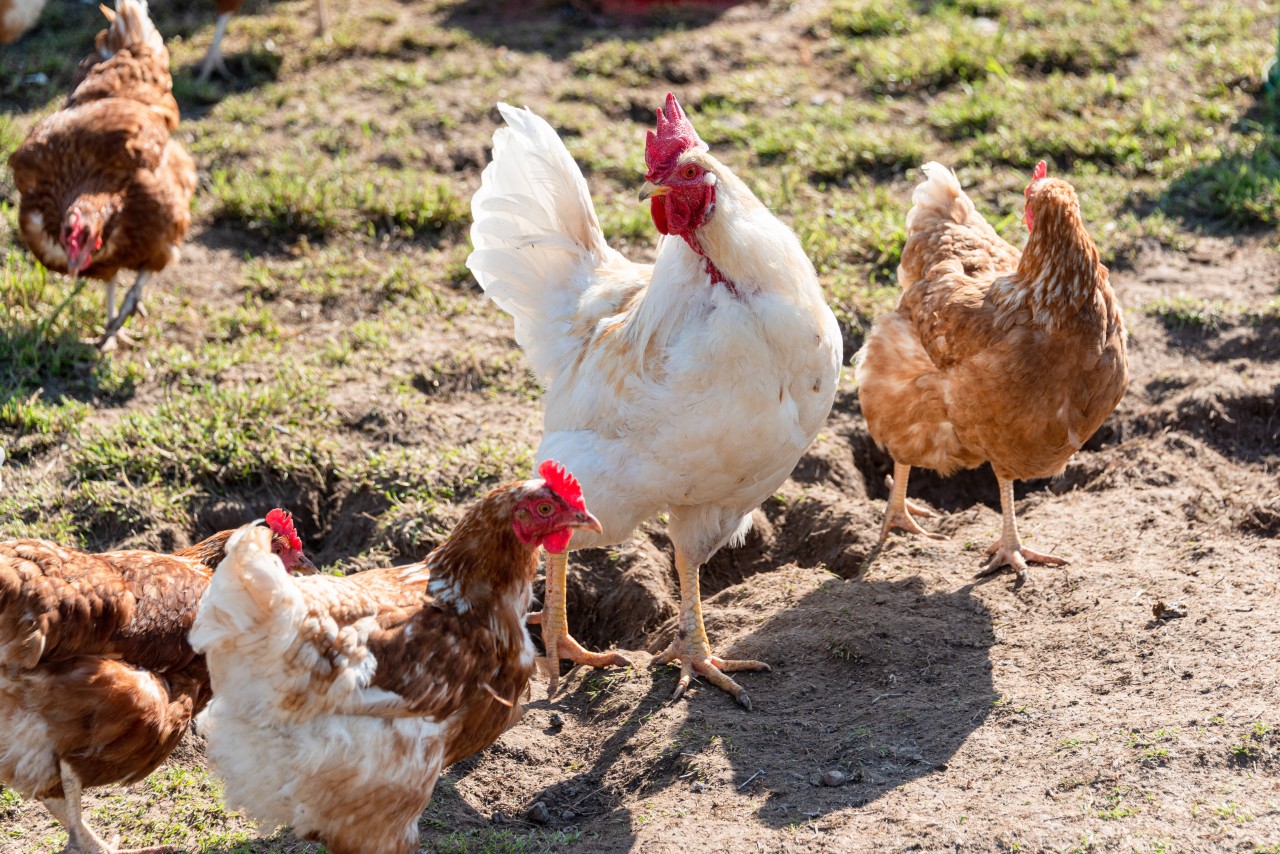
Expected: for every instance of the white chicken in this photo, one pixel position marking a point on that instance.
(689, 386)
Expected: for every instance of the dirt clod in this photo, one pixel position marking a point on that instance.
(833, 778)
(1171, 611)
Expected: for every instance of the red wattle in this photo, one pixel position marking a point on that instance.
(658, 210)
(556, 542)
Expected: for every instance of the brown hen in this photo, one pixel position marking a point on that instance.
(339, 701)
(97, 680)
(992, 355)
(103, 186)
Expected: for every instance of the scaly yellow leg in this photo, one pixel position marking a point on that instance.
(554, 619)
(1009, 550)
(897, 514)
(692, 648)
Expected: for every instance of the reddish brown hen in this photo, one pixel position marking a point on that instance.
(992, 355)
(97, 680)
(335, 711)
(103, 186)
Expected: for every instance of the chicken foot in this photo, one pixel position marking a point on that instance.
(132, 302)
(898, 512)
(554, 619)
(692, 647)
(213, 57)
(82, 840)
(1009, 550)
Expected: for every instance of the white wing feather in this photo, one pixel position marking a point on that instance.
(537, 240)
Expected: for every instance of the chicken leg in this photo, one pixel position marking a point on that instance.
(82, 840)
(1008, 550)
(897, 514)
(554, 619)
(131, 302)
(213, 57)
(692, 648)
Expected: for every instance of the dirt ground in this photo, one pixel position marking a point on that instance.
(960, 715)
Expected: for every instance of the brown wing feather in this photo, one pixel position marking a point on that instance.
(58, 604)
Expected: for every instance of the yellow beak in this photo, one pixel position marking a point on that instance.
(652, 189)
(587, 521)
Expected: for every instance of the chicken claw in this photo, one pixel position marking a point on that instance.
(1009, 550)
(710, 667)
(897, 515)
(554, 619)
(1016, 556)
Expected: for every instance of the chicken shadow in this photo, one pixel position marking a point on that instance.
(881, 682)
(1235, 192)
(558, 28)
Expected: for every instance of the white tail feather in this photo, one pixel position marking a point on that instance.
(536, 236)
(249, 591)
(132, 27)
(938, 194)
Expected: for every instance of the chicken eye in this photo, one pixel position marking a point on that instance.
(545, 509)
(691, 171)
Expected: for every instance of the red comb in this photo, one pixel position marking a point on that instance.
(282, 523)
(674, 136)
(1042, 171)
(563, 484)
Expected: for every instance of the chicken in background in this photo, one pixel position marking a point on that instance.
(103, 185)
(18, 16)
(992, 355)
(690, 386)
(334, 712)
(97, 680)
(213, 60)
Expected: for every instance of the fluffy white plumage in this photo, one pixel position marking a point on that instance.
(664, 392)
(296, 733)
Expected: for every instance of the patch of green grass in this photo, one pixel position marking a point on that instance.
(292, 198)
(1240, 187)
(1183, 312)
(37, 347)
(1112, 807)
(861, 18)
(225, 434)
(10, 802)
(494, 841)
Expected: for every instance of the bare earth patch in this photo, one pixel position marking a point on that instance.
(911, 707)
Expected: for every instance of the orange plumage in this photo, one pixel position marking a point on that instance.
(992, 355)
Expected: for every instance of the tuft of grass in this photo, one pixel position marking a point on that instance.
(293, 199)
(1241, 187)
(494, 841)
(225, 434)
(1183, 312)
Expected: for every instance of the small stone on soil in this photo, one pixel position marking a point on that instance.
(538, 813)
(1170, 611)
(568, 815)
(833, 778)
(698, 787)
